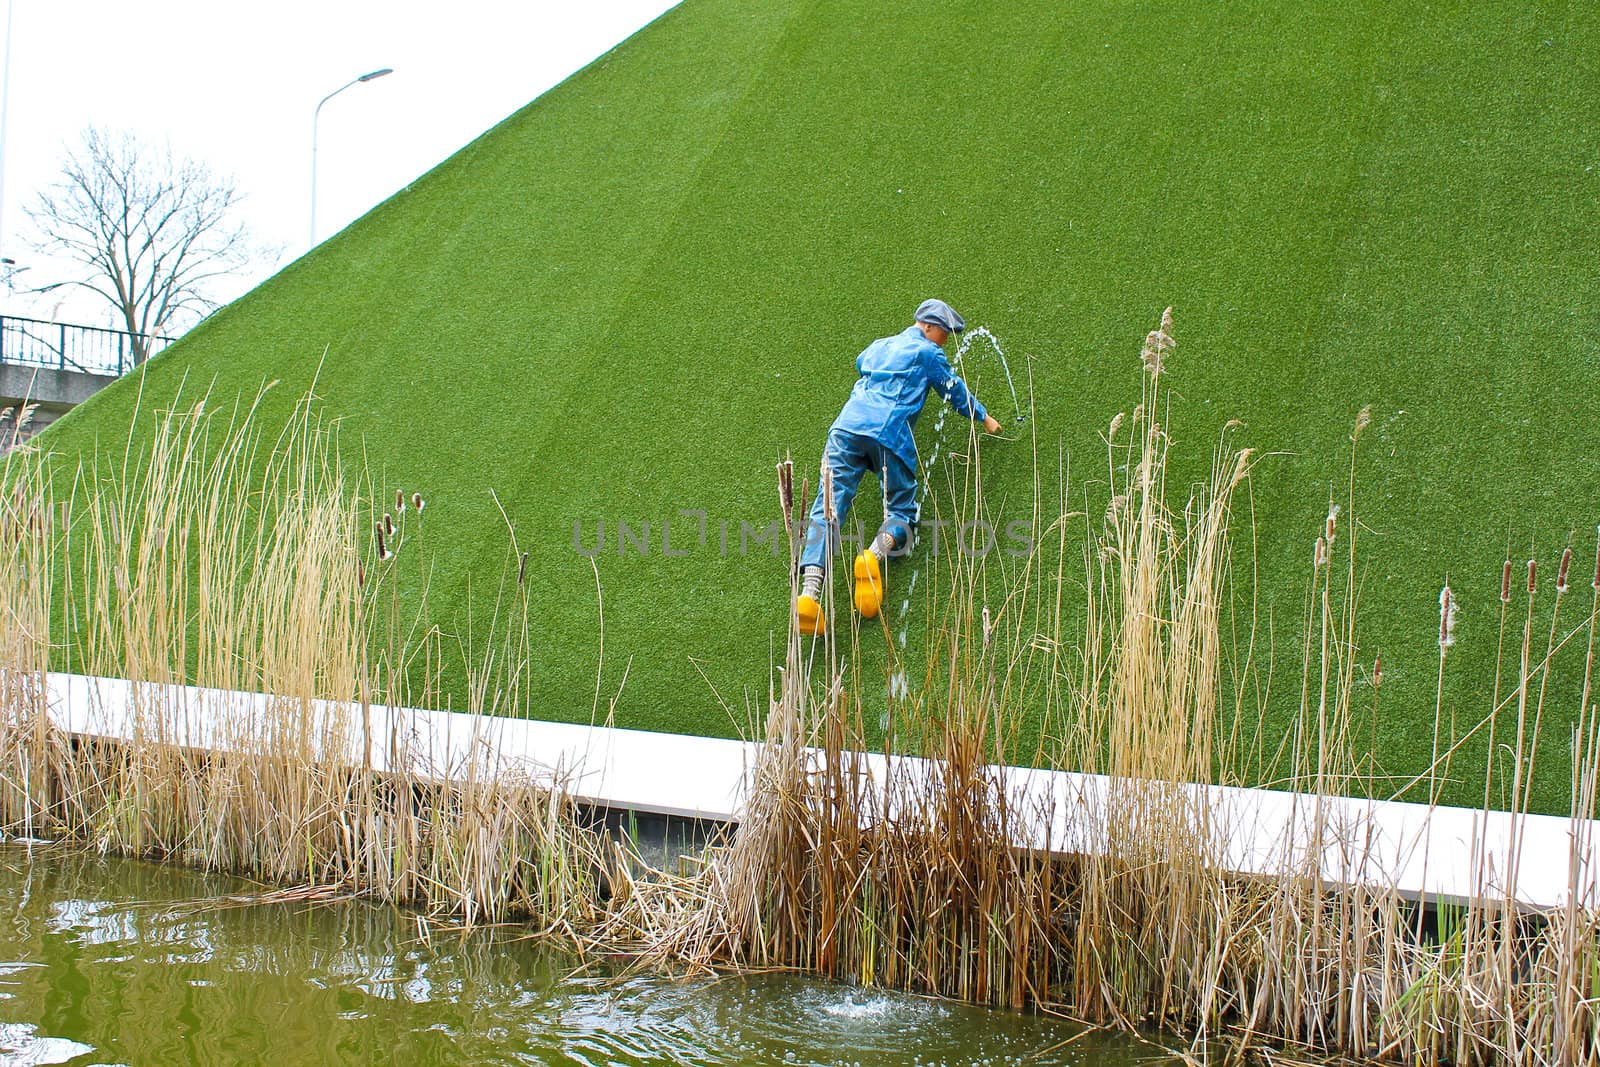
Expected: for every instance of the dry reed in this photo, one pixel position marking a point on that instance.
(207, 561)
(924, 868)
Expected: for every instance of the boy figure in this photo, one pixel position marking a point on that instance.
(873, 433)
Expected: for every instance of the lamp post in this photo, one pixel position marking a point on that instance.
(315, 116)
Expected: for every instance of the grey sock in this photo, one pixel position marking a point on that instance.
(811, 582)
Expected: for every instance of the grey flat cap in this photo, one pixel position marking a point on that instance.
(938, 313)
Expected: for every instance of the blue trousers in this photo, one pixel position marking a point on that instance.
(848, 456)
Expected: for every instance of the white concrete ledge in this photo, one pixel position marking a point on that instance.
(1418, 851)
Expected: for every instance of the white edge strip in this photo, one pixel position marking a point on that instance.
(1420, 851)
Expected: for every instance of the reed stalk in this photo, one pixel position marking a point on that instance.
(211, 563)
(928, 869)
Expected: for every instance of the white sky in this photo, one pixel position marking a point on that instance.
(234, 85)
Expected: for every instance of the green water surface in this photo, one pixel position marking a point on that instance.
(120, 962)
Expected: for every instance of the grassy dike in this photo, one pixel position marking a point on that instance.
(639, 292)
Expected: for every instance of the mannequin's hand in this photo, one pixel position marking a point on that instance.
(991, 424)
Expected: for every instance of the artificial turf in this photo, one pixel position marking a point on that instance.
(632, 296)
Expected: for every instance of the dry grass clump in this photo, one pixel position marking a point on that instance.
(204, 561)
(907, 869)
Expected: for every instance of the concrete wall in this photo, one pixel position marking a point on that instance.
(51, 393)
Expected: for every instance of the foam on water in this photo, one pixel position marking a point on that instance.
(855, 1007)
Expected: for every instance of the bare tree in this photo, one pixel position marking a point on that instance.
(150, 233)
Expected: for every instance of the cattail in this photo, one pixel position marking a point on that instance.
(1377, 671)
(1505, 580)
(786, 488)
(1532, 567)
(1447, 619)
(1332, 525)
(1561, 572)
(383, 551)
(1363, 419)
(522, 569)
(1320, 556)
(388, 523)
(417, 502)
(1597, 560)
(361, 574)
(399, 500)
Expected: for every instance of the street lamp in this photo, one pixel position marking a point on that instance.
(317, 114)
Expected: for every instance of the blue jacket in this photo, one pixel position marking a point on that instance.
(896, 374)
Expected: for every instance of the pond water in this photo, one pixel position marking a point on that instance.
(119, 962)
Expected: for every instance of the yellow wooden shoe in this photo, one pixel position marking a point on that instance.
(809, 613)
(869, 585)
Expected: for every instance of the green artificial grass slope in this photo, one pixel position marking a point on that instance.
(635, 294)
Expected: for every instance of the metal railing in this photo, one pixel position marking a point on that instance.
(63, 346)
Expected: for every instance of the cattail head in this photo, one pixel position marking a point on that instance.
(1319, 556)
(383, 550)
(786, 488)
(399, 500)
(1377, 671)
(1533, 566)
(388, 524)
(361, 574)
(1597, 560)
(416, 502)
(1561, 572)
(1447, 619)
(1505, 583)
(1331, 527)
